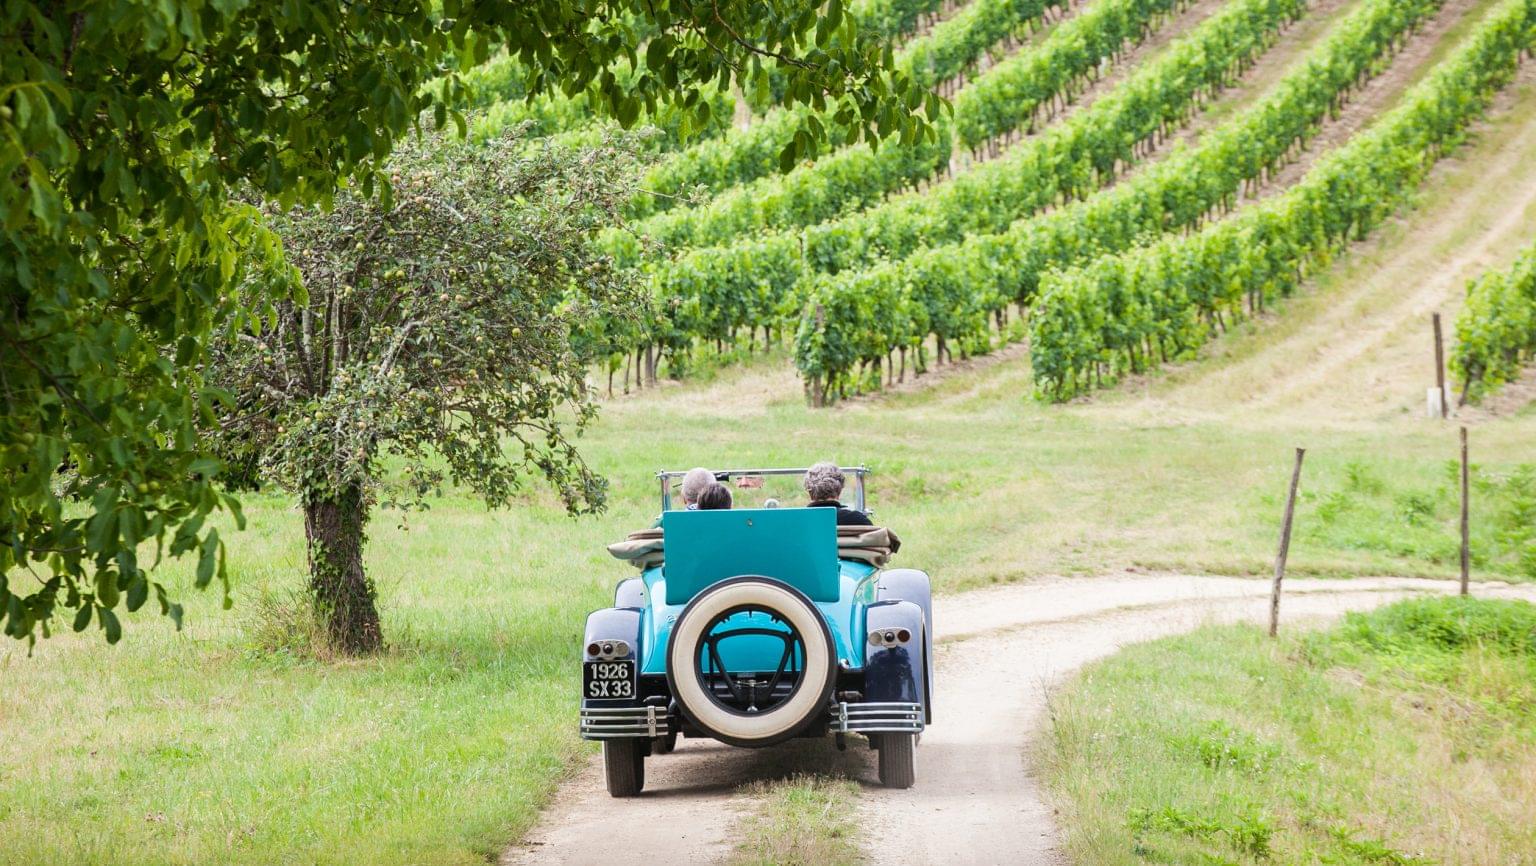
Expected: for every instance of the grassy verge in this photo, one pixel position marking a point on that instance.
(803, 821)
(1404, 736)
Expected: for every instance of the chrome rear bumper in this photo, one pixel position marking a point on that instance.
(877, 717)
(606, 723)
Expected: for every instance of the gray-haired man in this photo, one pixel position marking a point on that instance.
(696, 481)
(824, 484)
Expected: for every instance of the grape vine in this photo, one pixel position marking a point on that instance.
(1127, 312)
(1496, 331)
(951, 289)
(751, 283)
(953, 47)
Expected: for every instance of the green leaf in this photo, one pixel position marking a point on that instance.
(207, 558)
(138, 593)
(110, 622)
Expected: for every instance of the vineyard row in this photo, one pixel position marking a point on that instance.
(949, 291)
(1127, 312)
(709, 293)
(744, 155)
(1496, 331)
(856, 177)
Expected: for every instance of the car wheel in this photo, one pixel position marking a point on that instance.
(898, 764)
(664, 745)
(769, 706)
(624, 763)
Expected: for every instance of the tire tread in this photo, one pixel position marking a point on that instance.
(624, 767)
(897, 760)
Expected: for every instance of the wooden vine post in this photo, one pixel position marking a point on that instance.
(1440, 366)
(1285, 545)
(1466, 537)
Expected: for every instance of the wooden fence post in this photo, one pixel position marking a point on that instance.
(1285, 545)
(1440, 367)
(1466, 539)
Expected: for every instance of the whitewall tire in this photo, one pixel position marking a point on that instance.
(809, 699)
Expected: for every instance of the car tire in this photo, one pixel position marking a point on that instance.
(624, 763)
(664, 745)
(898, 759)
(807, 703)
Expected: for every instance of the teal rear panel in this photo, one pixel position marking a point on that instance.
(795, 545)
(845, 617)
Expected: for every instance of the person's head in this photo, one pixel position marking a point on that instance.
(695, 482)
(715, 497)
(824, 482)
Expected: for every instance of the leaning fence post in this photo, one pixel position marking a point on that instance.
(1285, 546)
(1466, 540)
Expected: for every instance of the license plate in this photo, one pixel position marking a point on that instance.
(609, 680)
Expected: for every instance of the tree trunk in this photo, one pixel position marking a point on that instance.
(343, 593)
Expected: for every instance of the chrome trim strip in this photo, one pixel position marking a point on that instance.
(886, 716)
(606, 723)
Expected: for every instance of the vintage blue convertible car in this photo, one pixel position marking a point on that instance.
(755, 625)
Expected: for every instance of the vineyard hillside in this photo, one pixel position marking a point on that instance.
(1078, 139)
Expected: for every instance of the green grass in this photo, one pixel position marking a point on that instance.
(803, 821)
(1407, 735)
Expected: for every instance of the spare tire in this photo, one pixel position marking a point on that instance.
(744, 711)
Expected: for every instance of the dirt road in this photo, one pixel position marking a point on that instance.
(976, 801)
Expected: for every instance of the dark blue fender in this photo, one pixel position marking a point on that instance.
(909, 584)
(629, 593)
(896, 673)
(614, 623)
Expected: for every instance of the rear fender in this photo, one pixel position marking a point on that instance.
(614, 623)
(906, 584)
(629, 593)
(909, 584)
(897, 673)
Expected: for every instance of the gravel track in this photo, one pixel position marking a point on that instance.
(976, 801)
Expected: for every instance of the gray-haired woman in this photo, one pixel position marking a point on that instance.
(824, 484)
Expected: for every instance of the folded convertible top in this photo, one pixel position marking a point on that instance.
(869, 544)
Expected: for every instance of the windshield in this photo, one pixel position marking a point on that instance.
(754, 488)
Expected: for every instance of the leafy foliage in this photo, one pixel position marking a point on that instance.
(1123, 312)
(953, 47)
(956, 46)
(436, 331)
(1496, 331)
(556, 114)
(892, 19)
(131, 134)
